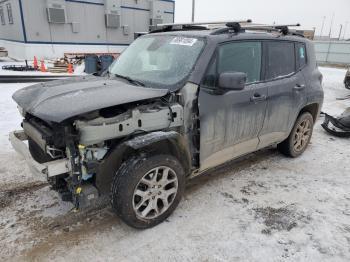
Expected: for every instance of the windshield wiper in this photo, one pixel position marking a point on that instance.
(133, 81)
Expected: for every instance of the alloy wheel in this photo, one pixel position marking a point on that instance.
(302, 135)
(155, 192)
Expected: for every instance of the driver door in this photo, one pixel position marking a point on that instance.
(230, 121)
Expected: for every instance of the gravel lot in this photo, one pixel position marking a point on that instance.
(263, 208)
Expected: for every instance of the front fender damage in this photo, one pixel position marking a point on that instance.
(151, 138)
(160, 142)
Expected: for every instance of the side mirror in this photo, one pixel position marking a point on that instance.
(232, 80)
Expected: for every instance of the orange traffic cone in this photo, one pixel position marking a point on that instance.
(35, 63)
(42, 66)
(70, 68)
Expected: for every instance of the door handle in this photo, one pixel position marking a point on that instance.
(258, 98)
(299, 87)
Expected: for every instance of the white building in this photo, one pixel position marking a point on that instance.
(50, 28)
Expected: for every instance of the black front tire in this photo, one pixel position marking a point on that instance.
(128, 178)
(288, 146)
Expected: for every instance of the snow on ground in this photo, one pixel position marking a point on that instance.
(78, 69)
(263, 208)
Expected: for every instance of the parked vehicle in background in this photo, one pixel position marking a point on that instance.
(177, 102)
(347, 79)
(3, 52)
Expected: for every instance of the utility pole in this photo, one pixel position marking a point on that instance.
(341, 28)
(323, 21)
(193, 9)
(346, 27)
(330, 29)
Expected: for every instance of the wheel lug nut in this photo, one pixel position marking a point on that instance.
(160, 192)
(153, 197)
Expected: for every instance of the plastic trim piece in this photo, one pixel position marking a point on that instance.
(50, 169)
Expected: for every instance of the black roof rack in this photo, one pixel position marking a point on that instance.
(227, 27)
(182, 28)
(195, 25)
(283, 29)
(238, 28)
(230, 27)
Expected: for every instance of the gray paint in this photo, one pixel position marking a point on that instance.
(90, 17)
(59, 100)
(227, 120)
(232, 124)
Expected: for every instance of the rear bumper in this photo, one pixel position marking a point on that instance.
(50, 169)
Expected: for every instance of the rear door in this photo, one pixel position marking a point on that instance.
(286, 90)
(230, 121)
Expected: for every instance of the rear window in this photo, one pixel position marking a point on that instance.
(300, 52)
(281, 59)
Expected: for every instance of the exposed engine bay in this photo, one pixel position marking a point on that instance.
(85, 141)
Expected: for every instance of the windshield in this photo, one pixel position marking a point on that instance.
(158, 61)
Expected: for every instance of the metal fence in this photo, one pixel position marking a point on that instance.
(333, 52)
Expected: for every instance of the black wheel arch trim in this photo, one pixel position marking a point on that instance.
(169, 142)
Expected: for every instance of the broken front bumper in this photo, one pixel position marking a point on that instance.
(50, 169)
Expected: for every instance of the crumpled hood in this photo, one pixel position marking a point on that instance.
(59, 100)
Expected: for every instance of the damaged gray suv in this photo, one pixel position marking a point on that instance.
(179, 101)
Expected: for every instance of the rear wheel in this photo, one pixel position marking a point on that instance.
(299, 137)
(146, 190)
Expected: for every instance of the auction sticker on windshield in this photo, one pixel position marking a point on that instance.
(183, 41)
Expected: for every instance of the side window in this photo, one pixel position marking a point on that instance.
(241, 57)
(210, 78)
(281, 59)
(9, 13)
(2, 17)
(300, 52)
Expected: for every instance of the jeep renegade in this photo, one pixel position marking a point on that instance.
(177, 102)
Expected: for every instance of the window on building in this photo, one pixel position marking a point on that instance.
(300, 52)
(9, 13)
(281, 59)
(2, 17)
